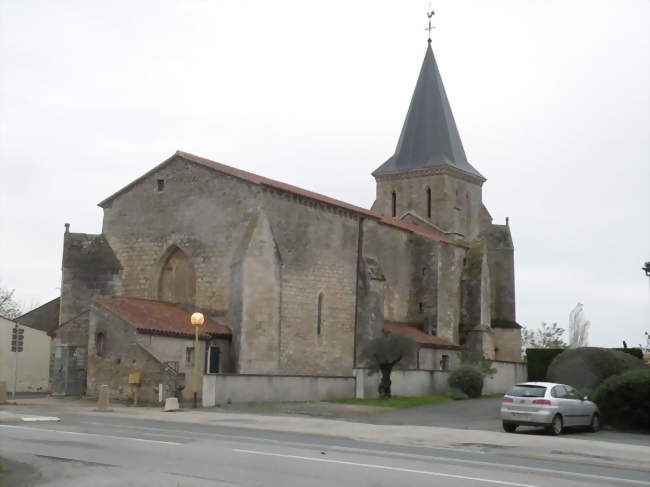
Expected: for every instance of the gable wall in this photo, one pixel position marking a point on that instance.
(200, 210)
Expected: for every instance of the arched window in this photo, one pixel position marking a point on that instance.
(177, 279)
(394, 204)
(319, 315)
(100, 343)
(428, 202)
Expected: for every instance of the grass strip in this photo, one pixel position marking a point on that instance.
(396, 402)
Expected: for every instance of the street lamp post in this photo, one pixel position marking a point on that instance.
(197, 320)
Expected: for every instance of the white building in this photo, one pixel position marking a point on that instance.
(33, 362)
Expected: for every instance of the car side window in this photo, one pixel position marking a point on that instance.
(573, 394)
(558, 391)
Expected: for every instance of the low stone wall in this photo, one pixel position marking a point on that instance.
(508, 374)
(404, 382)
(433, 382)
(224, 388)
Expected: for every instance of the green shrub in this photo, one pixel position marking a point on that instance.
(586, 368)
(457, 394)
(538, 361)
(468, 379)
(624, 400)
(635, 352)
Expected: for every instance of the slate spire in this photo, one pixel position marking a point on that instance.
(429, 136)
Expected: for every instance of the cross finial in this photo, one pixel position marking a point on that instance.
(430, 14)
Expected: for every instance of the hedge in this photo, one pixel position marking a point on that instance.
(624, 400)
(586, 368)
(538, 361)
(635, 352)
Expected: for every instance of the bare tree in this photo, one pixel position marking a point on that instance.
(9, 307)
(578, 327)
(546, 336)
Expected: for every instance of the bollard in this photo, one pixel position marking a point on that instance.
(103, 403)
(3, 392)
(171, 404)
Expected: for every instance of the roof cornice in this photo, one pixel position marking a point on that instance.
(431, 171)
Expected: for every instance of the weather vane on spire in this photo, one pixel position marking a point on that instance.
(430, 14)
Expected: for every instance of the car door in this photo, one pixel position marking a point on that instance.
(581, 409)
(565, 404)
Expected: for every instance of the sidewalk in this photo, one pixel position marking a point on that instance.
(591, 452)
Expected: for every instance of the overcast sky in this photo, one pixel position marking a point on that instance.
(550, 97)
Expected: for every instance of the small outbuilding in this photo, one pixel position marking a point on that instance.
(32, 363)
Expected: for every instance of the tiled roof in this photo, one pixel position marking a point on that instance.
(429, 137)
(158, 318)
(45, 317)
(419, 336)
(261, 180)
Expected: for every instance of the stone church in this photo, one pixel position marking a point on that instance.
(292, 282)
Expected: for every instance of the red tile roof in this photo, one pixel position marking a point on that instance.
(419, 336)
(158, 318)
(257, 179)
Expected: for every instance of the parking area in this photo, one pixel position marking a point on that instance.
(483, 414)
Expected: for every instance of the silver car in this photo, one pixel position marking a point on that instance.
(554, 406)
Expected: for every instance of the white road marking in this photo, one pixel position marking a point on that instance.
(90, 434)
(40, 418)
(384, 467)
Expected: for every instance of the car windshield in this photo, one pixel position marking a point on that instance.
(527, 391)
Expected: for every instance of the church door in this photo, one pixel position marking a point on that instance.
(213, 360)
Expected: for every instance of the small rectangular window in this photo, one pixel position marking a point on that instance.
(161, 184)
(444, 363)
(189, 355)
(319, 316)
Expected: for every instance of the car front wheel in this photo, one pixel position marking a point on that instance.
(595, 423)
(509, 427)
(556, 426)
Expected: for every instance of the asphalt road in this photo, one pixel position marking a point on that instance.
(85, 450)
(483, 414)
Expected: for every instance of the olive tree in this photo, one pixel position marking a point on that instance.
(385, 352)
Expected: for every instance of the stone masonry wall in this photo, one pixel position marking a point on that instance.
(89, 268)
(122, 355)
(455, 202)
(318, 250)
(199, 210)
(393, 250)
(450, 266)
(255, 295)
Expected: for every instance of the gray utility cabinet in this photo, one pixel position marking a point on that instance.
(69, 374)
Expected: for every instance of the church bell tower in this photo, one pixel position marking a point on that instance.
(428, 180)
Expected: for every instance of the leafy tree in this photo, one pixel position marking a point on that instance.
(546, 336)
(578, 327)
(385, 352)
(9, 307)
